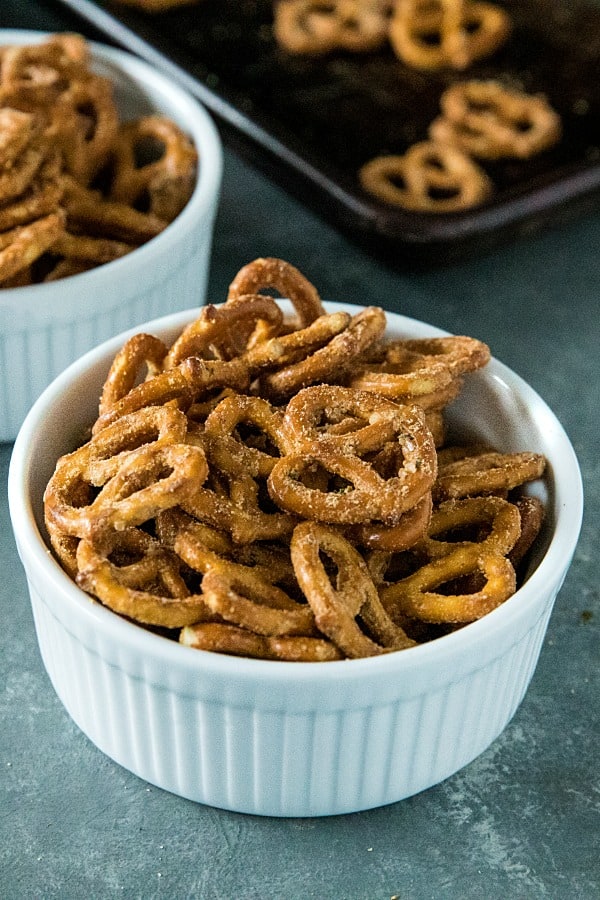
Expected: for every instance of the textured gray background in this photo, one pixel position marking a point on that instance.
(520, 822)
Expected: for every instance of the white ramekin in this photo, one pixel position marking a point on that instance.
(291, 739)
(44, 327)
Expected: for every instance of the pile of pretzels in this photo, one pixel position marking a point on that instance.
(78, 186)
(281, 486)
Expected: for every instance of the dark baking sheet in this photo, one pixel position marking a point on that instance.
(311, 123)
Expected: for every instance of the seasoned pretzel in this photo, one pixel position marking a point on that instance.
(21, 246)
(434, 34)
(531, 511)
(221, 638)
(487, 473)
(491, 121)
(269, 272)
(422, 370)
(492, 523)
(140, 352)
(429, 177)
(224, 331)
(135, 576)
(243, 599)
(315, 27)
(273, 353)
(416, 596)
(151, 478)
(164, 183)
(86, 123)
(113, 445)
(337, 604)
(395, 538)
(231, 453)
(340, 419)
(365, 494)
(330, 362)
(88, 211)
(17, 129)
(191, 379)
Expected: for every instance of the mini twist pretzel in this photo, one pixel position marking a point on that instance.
(496, 519)
(243, 599)
(283, 277)
(140, 351)
(341, 419)
(21, 246)
(411, 528)
(316, 27)
(434, 34)
(416, 596)
(330, 362)
(191, 379)
(135, 576)
(224, 331)
(487, 473)
(154, 477)
(491, 121)
(337, 605)
(165, 183)
(85, 123)
(364, 494)
(228, 451)
(425, 371)
(430, 177)
(222, 638)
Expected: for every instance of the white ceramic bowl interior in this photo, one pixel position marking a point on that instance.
(44, 327)
(278, 738)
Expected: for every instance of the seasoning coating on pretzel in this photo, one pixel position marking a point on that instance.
(220, 497)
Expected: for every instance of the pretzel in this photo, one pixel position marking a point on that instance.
(434, 34)
(316, 27)
(230, 452)
(416, 596)
(491, 121)
(365, 494)
(422, 370)
(336, 606)
(340, 419)
(492, 523)
(487, 473)
(429, 177)
(221, 638)
(531, 511)
(405, 534)
(142, 351)
(21, 246)
(224, 331)
(88, 211)
(166, 182)
(86, 123)
(282, 276)
(191, 379)
(135, 576)
(275, 353)
(34, 75)
(243, 599)
(153, 477)
(330, 362)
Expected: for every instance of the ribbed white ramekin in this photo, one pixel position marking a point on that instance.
(44, 327)
(291, 739)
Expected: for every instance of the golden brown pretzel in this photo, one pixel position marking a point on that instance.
(165, 182)
(429, 177)
(282, 276)
(433, 34)
(492, 121)
(336, 605)
(316, 27)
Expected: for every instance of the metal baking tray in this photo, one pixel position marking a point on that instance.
(311, 123)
